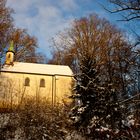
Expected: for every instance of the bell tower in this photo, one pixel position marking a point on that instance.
(10, 54)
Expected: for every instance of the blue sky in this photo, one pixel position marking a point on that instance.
(45, 18)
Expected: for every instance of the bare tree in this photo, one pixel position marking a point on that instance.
(25, 45)
(6, 26)
(131, 9)
(102, 42)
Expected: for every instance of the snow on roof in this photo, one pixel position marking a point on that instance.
(36, 68)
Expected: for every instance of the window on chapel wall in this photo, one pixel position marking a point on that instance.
(42, 83)
(27, 82)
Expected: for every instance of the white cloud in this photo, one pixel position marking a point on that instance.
(19, 5)
(45, 18)
(68, 4)
(41, 18)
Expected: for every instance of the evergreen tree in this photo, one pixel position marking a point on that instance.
(97, 113)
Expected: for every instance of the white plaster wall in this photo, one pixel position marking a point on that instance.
(57, 88)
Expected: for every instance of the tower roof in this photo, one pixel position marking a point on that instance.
(11, 47)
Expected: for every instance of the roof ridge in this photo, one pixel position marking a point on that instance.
(40, 64)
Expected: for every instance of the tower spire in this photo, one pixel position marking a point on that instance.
(10, 54)
(11, 46)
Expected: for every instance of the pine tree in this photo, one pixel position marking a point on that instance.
(97, 113)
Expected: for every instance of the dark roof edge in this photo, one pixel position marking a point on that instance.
(10, 51)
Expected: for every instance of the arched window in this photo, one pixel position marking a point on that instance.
(42, 83)
(27, 82)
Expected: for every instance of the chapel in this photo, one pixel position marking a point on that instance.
(19, 80)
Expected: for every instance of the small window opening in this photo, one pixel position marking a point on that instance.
(42, 83)
(9, 55)
(27, 82)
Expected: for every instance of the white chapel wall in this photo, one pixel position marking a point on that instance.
(57, 88)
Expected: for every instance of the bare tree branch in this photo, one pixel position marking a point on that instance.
(131, 9)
